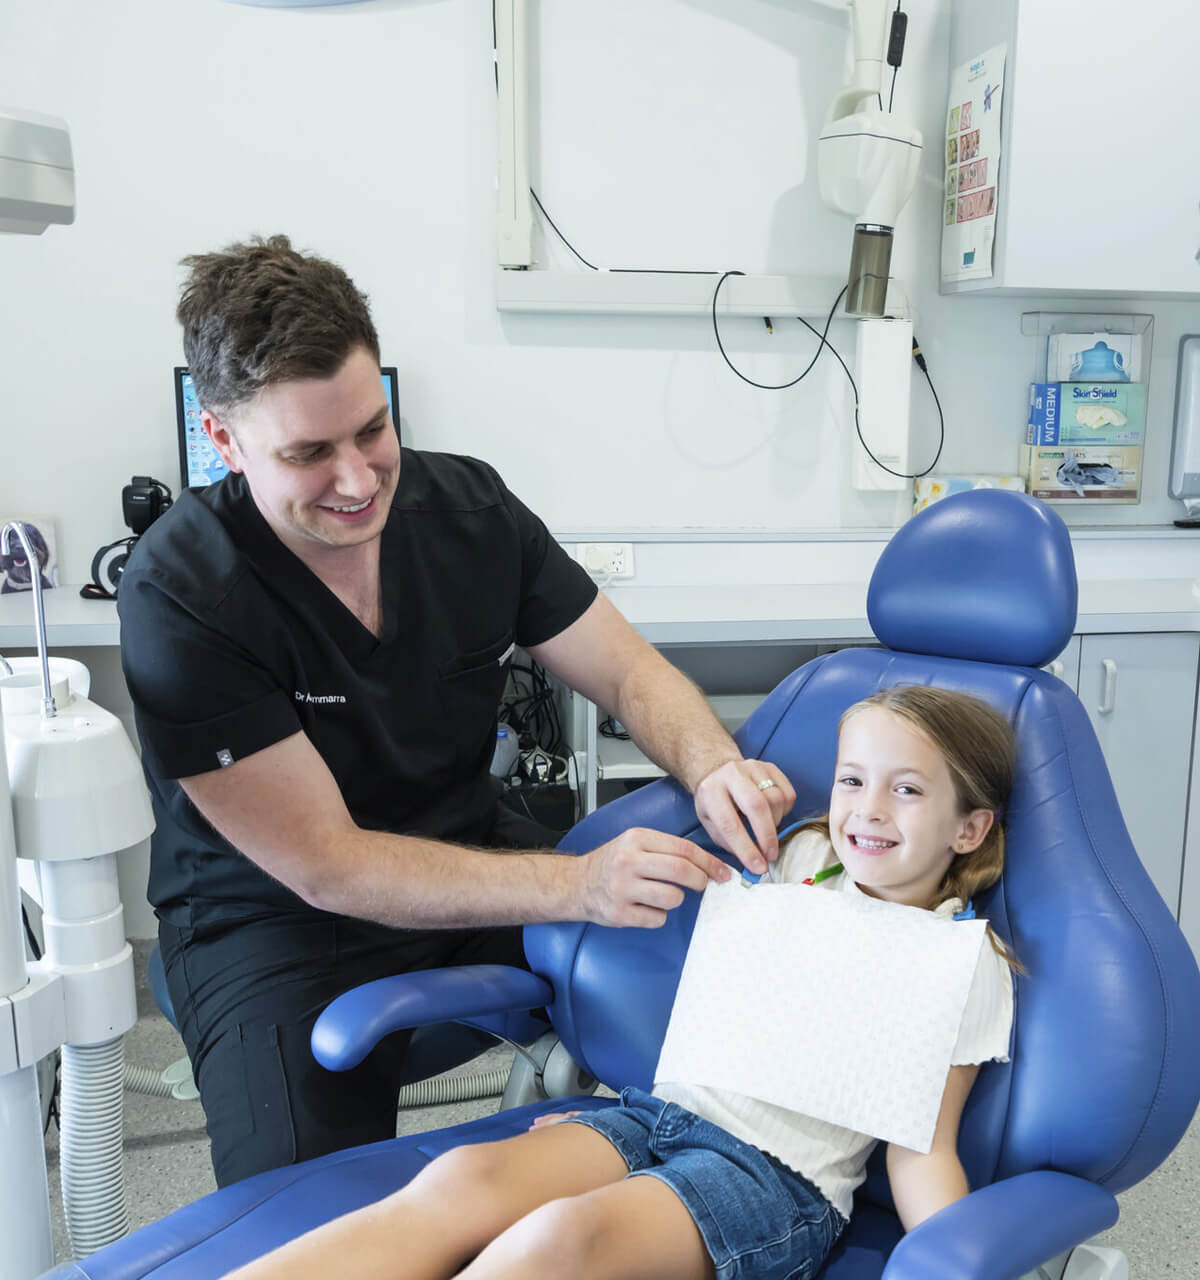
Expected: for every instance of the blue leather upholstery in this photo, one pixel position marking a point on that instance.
(977, 580)
(1104, 1077)
(437, 1045)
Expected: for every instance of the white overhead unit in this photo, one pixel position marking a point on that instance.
(37, 174)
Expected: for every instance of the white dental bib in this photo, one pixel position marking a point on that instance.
(834, 1005)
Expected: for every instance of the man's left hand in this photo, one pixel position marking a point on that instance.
(745, 792)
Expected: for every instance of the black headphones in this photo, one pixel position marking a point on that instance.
(143, 500)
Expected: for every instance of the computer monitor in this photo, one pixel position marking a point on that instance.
(199, 463)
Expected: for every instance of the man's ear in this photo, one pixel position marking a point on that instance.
(973, 830)
(223, 439)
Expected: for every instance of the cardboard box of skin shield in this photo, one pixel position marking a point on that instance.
(1084, 473)
(929, 489)
(1086, 413)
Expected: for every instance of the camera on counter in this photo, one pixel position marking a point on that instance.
(143, 500)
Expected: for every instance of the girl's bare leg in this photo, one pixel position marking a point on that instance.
(636, 1229)
(450, 1211)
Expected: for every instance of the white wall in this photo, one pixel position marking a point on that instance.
(673, 133)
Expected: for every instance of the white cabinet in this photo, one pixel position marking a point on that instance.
(1066, 665)
(1189, 893)
(1099, 180)
(1140, 693)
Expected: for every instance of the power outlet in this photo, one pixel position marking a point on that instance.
(607, 559)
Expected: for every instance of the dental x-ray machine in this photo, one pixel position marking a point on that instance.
(867, 164)
(867, 161)
(71, 797)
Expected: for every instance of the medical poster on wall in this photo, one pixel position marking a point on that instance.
(972, 166)
(16, 573)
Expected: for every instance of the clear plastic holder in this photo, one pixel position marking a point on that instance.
(1041, 324)
(1089, 475)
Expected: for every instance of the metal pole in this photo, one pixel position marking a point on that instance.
(26, 1240)
(39, 612)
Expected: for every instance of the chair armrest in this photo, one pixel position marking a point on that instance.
(353, 1024)
(1005, 1230)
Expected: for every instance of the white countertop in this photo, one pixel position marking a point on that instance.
(70, 620)
(681, 615)
(695, 614)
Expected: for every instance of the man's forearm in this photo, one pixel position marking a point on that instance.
(670, 720)
(413, 883)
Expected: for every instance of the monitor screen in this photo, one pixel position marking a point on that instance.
(199, 463)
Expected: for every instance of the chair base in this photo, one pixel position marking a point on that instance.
(1087, 1262)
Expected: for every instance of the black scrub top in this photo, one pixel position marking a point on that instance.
(230, 644)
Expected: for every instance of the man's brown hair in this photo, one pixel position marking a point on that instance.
(259, 313)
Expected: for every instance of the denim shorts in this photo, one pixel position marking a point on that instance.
(759, 1219)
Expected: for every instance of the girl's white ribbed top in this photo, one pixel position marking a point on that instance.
(831, 1157)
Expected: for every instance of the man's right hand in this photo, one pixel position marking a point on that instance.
(637, 878)
(283, 809)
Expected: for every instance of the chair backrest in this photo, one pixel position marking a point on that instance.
(973, 594)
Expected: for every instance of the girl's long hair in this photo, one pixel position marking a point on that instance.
(977, 743)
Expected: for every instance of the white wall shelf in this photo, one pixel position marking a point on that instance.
(678, 293)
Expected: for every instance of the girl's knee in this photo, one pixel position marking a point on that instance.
(472, 1164)
(562, 1237)
(453, 1172)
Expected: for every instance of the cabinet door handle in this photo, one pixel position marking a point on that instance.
(1108, 694)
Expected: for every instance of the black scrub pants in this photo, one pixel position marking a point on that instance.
(246, 993)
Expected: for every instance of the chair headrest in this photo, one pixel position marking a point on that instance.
(987, 575)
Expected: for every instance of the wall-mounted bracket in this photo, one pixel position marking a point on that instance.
(522, 286)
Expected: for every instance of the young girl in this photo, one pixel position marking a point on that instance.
(732, 1187)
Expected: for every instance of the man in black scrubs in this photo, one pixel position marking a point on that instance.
(316, 648)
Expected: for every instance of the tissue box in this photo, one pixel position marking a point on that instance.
(929, 489)
(1084, 473)
(1086, 413)
(1062, 349)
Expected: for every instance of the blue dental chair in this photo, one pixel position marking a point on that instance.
(975, 593)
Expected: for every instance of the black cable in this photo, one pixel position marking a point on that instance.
(895, 53)
(52, 1112)
(770, 386)
(607, 728)
(495, 54)
(533, 712)
(920, 359)
(30, 936)
(631, 271)
(559, 234)
(823, 335)
(644, 271)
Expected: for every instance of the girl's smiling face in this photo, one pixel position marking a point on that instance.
(894, 817)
